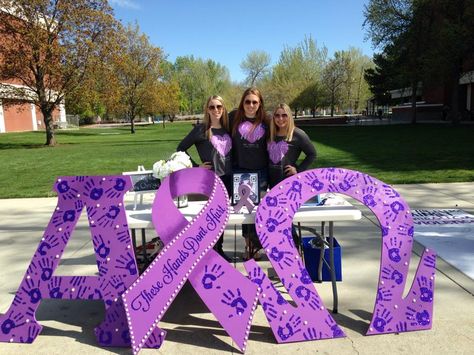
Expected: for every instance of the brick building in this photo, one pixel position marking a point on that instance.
(20, 113)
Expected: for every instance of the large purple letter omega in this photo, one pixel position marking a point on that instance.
(392, 312)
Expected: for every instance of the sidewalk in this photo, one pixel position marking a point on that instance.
(68, 325)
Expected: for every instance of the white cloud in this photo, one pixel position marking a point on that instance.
(129, 4)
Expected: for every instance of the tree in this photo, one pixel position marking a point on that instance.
(198, 79)
(406, 26)
(255, 66)
(334, 76)
(297, 68)
(137, 67)
(47, 48)
(453, 43)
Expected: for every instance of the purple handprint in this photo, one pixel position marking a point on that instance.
(308, 296)
(46, 268)
(235, 301)
(395, 208)
(281, 257)
(382, 319)
(384, 294)
(116, 190)
(291, 328)
(12, 322)
(368, 196)
(127, 263)
(313, 181)
(65, 191)
(418, 318)
(108, 218)
(394, 249)
(426, 289)
(32, 290)
(348, 182)
(211, 275)
(389, 273)
(99, 246)
(54, 288)
(273, 222)
(50, 241)
(294, 192)
(257, 276)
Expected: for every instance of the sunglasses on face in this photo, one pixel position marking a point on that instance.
(212, 107)
(248, 102)
(278, 115)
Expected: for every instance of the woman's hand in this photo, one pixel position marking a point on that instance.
(290, 170)
(206, 165)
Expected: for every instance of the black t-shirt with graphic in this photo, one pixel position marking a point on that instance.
(249, 147)
(216, 150)
(283, 153)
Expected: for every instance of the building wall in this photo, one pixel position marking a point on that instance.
(17, 117)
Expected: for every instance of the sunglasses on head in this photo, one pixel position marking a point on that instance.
(278, 115)
(253, 102)
(212, 107)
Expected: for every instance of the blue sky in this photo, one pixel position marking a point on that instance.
(226, 31)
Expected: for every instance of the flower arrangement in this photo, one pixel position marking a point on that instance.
(177, 161)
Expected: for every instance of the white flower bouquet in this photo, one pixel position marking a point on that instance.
(177, 161)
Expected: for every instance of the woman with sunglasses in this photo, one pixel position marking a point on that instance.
(285, 144)
(249, 151)
(213, 144)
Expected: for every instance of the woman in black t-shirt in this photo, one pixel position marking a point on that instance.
(249, 150)
(285, 144)
(214, 146)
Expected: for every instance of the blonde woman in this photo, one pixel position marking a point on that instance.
(214, 146)
(285, 144)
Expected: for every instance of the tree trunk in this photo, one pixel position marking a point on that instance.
(455, 109)
(48, 123)
(132, 125)
(332, 104)
(414, 87)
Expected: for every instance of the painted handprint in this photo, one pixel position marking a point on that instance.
(32, 290)
(395, 208)
(281, 257)
(235, 301)
(384, 294)
(13, 320)
(46, 268)
(417, 318)
(368, 196)
(292, 327)
(117, 189)
(390, 273)
(425, 289)
(272, 222)
(348, 182)
(312, 180)
(331, 323)
(393, 249)
(99, 246)
(210, 276)
(294, 192)
(127, 262)
(382, 319)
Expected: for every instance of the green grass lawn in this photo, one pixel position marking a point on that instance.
(395, 154)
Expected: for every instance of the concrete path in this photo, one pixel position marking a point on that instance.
(68, 325)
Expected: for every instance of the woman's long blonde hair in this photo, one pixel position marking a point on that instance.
(240, 114)
(207, 118)
(291, 123)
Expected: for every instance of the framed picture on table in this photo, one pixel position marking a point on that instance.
(251, 180)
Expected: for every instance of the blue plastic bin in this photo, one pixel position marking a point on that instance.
(311, 260)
